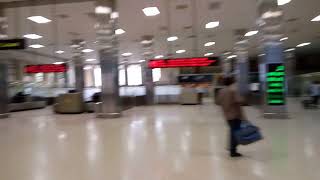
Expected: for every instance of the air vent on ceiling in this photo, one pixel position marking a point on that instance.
(240, 31)
(187, 27)
(292, 20)
(163, 28)
(63, 16)
(192, 36)
(182, 6)
(214, 6)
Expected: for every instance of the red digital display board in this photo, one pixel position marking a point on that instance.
(46, 68)
(182, 62)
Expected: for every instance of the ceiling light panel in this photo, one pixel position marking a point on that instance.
(303, 44)
(102, 10)
(87, 50)
(151, 11)
(180, 51)
(209, 44)
(36, 46)
(90, 60)
(251, 33)
(127, 54)
(283, 2)
(58, 63)
(159, 57)
(211, 25)
(283, 39)
(316, 19)
(289, 50)
(172, 38)
(39, 19)
(120, 31)
(208, 54)
(32, 36)
(59, 52)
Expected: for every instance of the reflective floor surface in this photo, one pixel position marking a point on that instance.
(166, 142)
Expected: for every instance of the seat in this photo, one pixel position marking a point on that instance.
(189, 96)
(70, 103)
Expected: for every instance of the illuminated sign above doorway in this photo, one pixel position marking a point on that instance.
(276, 86)
(12, 44)
(45, 68)
(183, 62)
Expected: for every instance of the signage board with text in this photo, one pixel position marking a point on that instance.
(183, 62)
(12, 44)
(45, 68)
(276, 84)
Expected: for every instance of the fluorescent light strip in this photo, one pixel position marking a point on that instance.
(232, 56)
(58, 63)
(208, 54)
(316, 19)
(120, 31)
(142, 60)
(90, 60)
(127, 54)
(36, 46)
(87, 50)
(303, 44)
(32, 36)
(209, 44)
(172, 38)
(60, 52)
(159, 57)
(151, 11)
(283, 2)
(291, 49)
(39, 19)
(251, 33)
(211, 25)
(102, 10)
(180, 51)
(283, 39)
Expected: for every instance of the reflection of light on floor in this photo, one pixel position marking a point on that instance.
(62, 136)
(308, 148)
(93, 137)
(258, 170)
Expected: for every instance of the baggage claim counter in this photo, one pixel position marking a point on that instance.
(195, 83)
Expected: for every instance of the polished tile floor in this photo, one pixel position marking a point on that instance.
(156, 143)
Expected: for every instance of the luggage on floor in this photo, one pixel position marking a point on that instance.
(248, 133)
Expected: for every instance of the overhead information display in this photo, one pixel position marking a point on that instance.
(46, 68)
(183, 62)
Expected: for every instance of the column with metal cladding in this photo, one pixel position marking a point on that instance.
(78, 46)
(108, 53)
(4, 96)
(272, 66)
(242, 67)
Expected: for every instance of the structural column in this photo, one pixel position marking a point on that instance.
(272, 65)
(78, 45)
(242, 67)
(108, 53)
(4, 96)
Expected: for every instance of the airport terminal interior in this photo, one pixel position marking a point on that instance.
(129, 89)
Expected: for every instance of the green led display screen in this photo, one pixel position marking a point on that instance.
(276, 85)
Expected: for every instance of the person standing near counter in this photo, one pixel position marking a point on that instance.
(231, 103)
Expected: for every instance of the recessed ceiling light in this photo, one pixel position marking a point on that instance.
(127, 54)
(58, 63)
(172, 38)
(102, 10)
(32, 36)
(142, 60)
(180, 51)
(120, 31)
(39, 19)
(291, 49)
(90, 60)
(87, 68)
(283, 39)
(208, 54)
(159, 57)
(151, 11)
(232, 56)
(227, 53)
(59, 52)
(209, 44)
(251, 33)
(316, 19)
(87, 50)
(260, 55)
(303, 44)
(211, 25)
(283, 2)
(36, 46)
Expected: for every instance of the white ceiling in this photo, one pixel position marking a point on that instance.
(232, 15)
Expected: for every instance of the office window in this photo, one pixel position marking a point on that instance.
(156, 74)
(134, 75)
(122, 76)
(97, 77)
